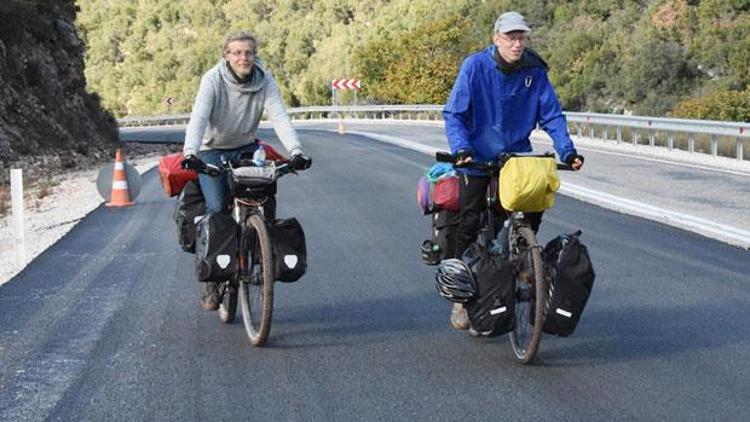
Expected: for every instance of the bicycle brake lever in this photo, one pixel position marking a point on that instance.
(212, 170)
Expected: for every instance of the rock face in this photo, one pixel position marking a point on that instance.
(48, 122)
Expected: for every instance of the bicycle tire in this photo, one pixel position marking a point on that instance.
(530, 293)
(256, 284)
(228, 305)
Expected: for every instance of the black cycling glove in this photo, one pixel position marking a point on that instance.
(191, 162)
(300, 162)
(572, 159)
(463, 154)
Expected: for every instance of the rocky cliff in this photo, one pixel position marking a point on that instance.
(48, 122)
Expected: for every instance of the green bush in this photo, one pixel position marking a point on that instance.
(724, 105)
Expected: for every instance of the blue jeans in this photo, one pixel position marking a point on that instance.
(215, 189)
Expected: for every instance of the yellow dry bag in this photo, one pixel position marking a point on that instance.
(528, 184)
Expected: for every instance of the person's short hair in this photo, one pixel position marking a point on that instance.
(511, 21)
(240, 36)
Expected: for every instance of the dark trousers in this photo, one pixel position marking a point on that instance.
(472, 201)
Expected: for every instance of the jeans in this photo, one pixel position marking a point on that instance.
(215, 189)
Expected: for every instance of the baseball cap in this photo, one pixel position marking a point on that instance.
(511, 21)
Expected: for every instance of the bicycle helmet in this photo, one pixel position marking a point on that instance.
(454, 281)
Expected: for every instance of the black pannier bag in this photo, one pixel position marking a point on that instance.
(492, 310)
(571, 277)
(289, 250)
(190, 204)
(442, 245)
(216, 247)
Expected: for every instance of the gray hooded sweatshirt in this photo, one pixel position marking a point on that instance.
(226, 113)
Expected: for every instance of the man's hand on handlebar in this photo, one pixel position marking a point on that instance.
(463, 157)
(192, 162)
(300, 162)
(575, 161)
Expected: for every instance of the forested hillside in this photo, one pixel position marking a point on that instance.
(652, 57)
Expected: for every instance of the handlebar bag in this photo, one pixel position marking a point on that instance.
(190, 204)
(289, 250)
(571, 276)
(528, 184)
(216, 247)
(252, 182)
(173, 177)
(445, 193)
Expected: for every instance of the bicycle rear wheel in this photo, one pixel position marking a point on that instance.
(256, 280)
(530, 293)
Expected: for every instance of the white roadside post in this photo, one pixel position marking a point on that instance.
(16, 197)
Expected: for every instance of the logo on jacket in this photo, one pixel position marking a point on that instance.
(528, 80)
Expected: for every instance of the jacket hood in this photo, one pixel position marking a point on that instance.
(254, 84)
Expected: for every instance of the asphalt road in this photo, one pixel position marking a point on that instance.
(105, 325)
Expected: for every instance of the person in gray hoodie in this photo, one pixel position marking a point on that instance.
(231, 100)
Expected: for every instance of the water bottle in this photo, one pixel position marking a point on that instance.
(259, 157)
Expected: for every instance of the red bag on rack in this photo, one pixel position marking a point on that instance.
(271, 153)
(173, 176)
(445, 193)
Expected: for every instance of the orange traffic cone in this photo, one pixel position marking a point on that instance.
(341, 126)
(120, 196)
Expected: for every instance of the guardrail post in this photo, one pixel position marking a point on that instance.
(635, 136)
(578, 129)
(714, 146)
(739, 149)
(651, 137)
(604, 134)
(591, 132)
(619, 135)
(670, 141)
(16, 199)
(691, 142)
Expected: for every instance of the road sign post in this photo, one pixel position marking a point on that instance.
(342, 84)
(16, 198)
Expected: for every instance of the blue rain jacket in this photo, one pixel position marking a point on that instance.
(490, 112)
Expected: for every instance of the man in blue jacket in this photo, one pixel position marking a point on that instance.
(499, 97)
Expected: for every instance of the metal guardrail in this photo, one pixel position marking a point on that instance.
(703, 136)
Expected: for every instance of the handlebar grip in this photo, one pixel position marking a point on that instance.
(444, 157)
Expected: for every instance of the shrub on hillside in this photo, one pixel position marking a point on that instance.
(721, 105)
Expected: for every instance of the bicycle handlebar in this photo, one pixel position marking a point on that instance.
(226, 165)
(446, 157)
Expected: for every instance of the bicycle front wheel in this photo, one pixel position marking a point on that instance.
(228, 306)
(530, 294)
(256, 280)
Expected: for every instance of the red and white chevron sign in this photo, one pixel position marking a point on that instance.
(354, 84)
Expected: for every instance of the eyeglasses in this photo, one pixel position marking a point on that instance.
(511, 39)
(242, 53)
